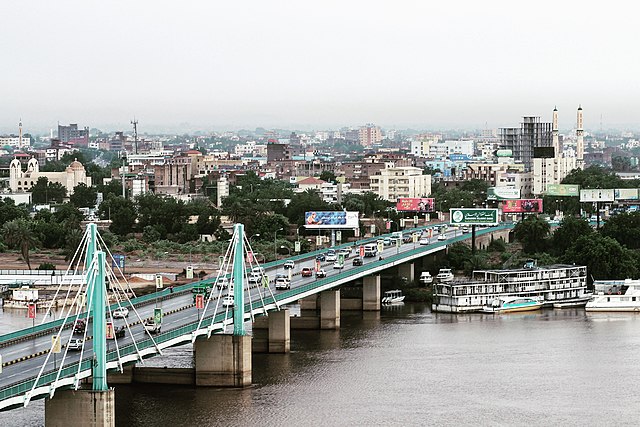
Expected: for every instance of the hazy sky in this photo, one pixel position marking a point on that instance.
(313, 65)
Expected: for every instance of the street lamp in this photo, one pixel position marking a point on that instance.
(252, 236)
(275, 247)
(287, 248)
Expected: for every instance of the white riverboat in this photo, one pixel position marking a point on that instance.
(615, 295)
(554, 284)
(444, 275)
(393, 297)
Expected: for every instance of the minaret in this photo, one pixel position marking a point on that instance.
(20, 133)
(554, 130)
(579, 140)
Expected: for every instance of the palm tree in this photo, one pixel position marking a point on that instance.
(18, 233)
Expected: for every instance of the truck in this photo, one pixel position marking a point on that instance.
(370, 250)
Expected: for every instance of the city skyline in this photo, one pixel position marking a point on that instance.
(229, 66)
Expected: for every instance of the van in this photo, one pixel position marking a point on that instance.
(370, 250)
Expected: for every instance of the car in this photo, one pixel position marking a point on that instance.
(75, 344)
(222, 283)
(345, 252)
(465, 229)
(258, 270)
(120, 313)
(119, 333)
(320, 257)
(289, 264)
(357, 261)
(79, 327)
(331, 256)
(423, 241)
(386, 241)
(255, 278)
(407, 238)
(227, 301)
(442, 237)
(283, 283)
(306, 272)
(321, 273)
(338, 265)
(151, 326)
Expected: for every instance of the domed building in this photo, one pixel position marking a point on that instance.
(22, 181)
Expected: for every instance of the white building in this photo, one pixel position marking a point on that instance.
(460, 146)
(395, 182)
(20, 181)
(15, 141)
(550, 171)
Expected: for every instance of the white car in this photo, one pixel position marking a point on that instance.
(423, 241)
(255, 278)
(338, 265)
(120, 313)
(442, 237)
(227, 301)
(331, 257)
(289, 264)
(151, 326)
(465, 229)
(283, 283)
(75, 344)
(222, 283)
(258, 270)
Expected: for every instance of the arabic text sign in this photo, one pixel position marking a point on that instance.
(563, 190)
(331, 219)
(503, 193)
(597, 195)
(522, 206)
(474, 216)
(626, 193)
(415, 204)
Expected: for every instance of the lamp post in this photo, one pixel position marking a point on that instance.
(275, 247)
(287, 248)
(252, 236)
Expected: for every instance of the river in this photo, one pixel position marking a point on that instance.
(408, 366)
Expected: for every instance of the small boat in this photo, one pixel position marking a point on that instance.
(576, 302)
(615, 295)
(392, 297)
(512, 304)
(444, 275)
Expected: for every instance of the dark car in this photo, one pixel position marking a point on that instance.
(79, 327)
(357, 261)
(320, 257)
(306, 272)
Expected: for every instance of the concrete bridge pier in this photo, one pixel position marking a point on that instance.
(71, 408)
(279, 331)
(371, 293)
(407, 270)
(223, 360)
(330, 310)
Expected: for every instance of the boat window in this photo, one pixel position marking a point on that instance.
(633, 298)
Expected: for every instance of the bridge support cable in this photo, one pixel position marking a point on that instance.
(28, 394)
(66, 273)
(106, 249)
(260, 285)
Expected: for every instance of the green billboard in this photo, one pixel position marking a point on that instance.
(563, 190)
(474, 216)
(503, 193)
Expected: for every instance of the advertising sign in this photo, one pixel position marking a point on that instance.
(189, 272)
(361, 250)
(265, 281)
(339, 235)
(32, 311)
(388, 225)
(415, 204)
(331, 219)
(474, 216)
(296, 246)
(250, 257)
(373, 229)
(563, 190)
(318, 266)
(341, 259)
(56, 346)
(503, 193)
(626, 193)
(415, 237)
(522, 206)
(158, 281)
(380, 245)
(200, 302)
(118, 261)
(318, 240)
(597, 195)
(109, 330)
(157, 316)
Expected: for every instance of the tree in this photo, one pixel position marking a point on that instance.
(304, 202)
(625, 228)
(532, 232)
(594, 177)
(9, 211)
(18, 234)
(328, 176)
(83, 196)
(568, 232)
(121, 212)
(604, 257)
(44, 191)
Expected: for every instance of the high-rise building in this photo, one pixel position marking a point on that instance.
(72, 135)
(532, 134)
(580, 140)
(369, 135)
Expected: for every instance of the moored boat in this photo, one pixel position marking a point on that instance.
(615, 295)
(392, 297)
(577, 302)
(512, 304)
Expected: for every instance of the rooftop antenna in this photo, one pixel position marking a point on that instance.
(134, 122)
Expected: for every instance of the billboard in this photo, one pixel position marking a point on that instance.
(563, 190)
(543, 152)
(474, 216)
(597, 195)
(522, 206)
(625, 193)
(331, 219)
(503, 193)
(415, 204)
